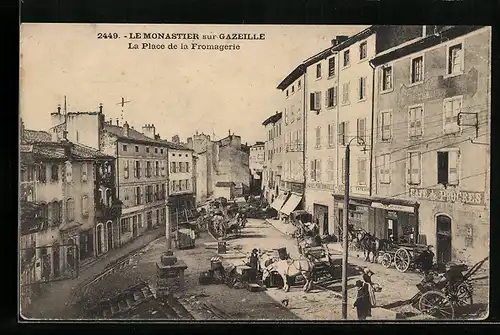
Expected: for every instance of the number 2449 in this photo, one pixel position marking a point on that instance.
(107, 36)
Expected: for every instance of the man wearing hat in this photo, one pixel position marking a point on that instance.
(253, 262)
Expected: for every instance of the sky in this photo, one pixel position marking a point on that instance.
(179, 91)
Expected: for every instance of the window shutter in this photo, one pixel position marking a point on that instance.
(327, 95)
(408, 169)
(69, 172)
(312, 170)
(381, 168)
(84, 172)
(318, 101)
(419, 121)
(453, 167)
(312, 104)
(387, 165)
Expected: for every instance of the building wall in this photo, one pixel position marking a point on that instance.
(293, 131)
(256, 158)
(184, 157)
(274, 151)
(232, 165)
(201, 177)
(470, 218)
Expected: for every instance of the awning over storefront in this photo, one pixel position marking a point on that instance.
(291, 204)
(400, 205)
(278, 202)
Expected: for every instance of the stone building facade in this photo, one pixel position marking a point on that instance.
(274, 147)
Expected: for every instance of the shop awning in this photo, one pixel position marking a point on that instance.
(278, 202)
(291, 204)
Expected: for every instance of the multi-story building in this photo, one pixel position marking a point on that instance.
(294, 133)
(256, 164)
(141, 163)
(432, 141)
(62, 179)
(273, 160)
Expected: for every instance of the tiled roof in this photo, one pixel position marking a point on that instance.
(135, 135)
(224, 184)
(33, 136)
(82, 152)
(48, 153)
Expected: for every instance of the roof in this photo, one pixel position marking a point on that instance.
(258, 143)
(80, 151)
(273, 118)
(225, 184)
(135, 136)
(422, 44)
(299, 70)
(34, 136)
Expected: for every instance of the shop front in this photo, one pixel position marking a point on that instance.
(359, 214)
(295, 200)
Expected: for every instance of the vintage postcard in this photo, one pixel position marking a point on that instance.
(254, 172)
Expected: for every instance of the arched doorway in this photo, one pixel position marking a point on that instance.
(99, 236)
(443, 241)
(109, 229)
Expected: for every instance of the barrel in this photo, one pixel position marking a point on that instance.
(282, 253)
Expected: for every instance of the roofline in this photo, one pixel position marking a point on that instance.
(421, 44)
(273, 118)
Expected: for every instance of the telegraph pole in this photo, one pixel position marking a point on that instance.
(345, 244)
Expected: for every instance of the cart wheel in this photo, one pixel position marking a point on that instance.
(386, 260)
(436, 304)
(462, 295)
(402, 260)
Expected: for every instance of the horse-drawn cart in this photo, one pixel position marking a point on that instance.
(321, 259)
(403, 256)
(441, 295)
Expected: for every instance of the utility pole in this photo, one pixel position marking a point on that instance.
(345, 244)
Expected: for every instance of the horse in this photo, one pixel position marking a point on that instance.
(289, 268)
(371, 245)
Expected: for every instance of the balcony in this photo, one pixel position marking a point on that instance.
(296, 147)
(106, 212)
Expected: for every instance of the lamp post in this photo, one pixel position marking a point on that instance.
(346, 225)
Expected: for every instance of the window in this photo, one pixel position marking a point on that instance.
(342, 132)
(163, 215)
(158, 217)
(331, 139)
(293, 89)
(361, 131)
(163, 191)
(448, 167)
(451, 109)
(345, 93)
(362, 50)
(56, 212)
(315, 101)
(149, 218)
(385, 169)
(173, 167)
(318, 137)
(149, 193)
(125, 225)
(156, 150)
(318, 170)
(161, 151)
(299, 84)
(286, 117)
(124, 147)
(69, 172)
(361, 171)
(385, 125)
(331, 67)
(417, 70)
(147, 150)
(318, 71)
(70, 210)
(331, 97)
(140, 222)
(386, 78)
(162, 168)
(415, 118)
(157, 169)
(347, 60)
(279, 129)
(137, 169)
(138, 195)
(362, 88)
(299, 114)
(329, 170)
(84, 169)
(41, 174)
(136, 148)
(414, 168)
(315, 170)
(157, 193)
(54, 173)
(85, 205)
(455, 59)
(126, 169)
(148, 169)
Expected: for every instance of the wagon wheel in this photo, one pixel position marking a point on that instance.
(461, 295)
(436, 304)
(386, 260)
(402, 260)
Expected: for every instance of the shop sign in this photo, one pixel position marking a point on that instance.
(391, 207)
(451, 196)
(297, 188)
(340, 189)
(321, 186)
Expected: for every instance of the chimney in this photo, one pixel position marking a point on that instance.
(125, 129)
(149, 130)
(59, 109)
(100, 108)
(229, 132)
(197, 132)
(157, 136)
(176, 139)
(339, 39)
(117, 122)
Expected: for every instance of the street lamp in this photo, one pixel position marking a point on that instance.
(345, 224)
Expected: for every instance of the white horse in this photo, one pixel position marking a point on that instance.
(291, 268)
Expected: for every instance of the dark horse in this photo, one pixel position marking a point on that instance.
(371, 245)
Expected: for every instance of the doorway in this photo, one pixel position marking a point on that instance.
(134, 229)
(321, 218)
(56, 260)
(109, 229)
(443, 243)
(99, 239)
(392, 229)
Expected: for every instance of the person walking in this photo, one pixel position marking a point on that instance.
(362, 304)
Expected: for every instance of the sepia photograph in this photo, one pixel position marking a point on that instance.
(195, 172)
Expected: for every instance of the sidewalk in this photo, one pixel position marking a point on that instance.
(54, 301)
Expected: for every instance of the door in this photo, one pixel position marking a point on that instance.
(443, 234)
(392, 229)
(134, 229)
(56, 261)
(99, 239)
(340, 224)
(324, 220)
(109, 229)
